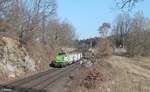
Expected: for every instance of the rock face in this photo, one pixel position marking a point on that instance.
(14, 60)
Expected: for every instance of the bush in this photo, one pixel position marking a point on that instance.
(138, 43)
(93, 79)
(104, 48)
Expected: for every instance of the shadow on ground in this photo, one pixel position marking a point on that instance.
(18, 89)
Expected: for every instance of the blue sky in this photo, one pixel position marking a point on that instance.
(87, 15)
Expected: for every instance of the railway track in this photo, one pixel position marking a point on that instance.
(40, 82)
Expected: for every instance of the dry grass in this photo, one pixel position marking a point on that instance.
(129, 78)
(129, 75)
(90, 78)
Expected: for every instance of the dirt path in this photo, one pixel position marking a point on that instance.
(130, 76)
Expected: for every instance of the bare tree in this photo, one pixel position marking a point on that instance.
(121, 29)
(103, 29)
(126, 3)
(53, 33)
(68, 33)
(26, 18)
(60, 34)
(4, 6)
(104, 47)
(138, 38)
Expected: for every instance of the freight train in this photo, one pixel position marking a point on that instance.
(63, 59)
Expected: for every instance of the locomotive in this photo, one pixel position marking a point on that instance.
(63, 59)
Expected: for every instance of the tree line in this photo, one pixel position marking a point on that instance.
(35, 20)
(132, 33)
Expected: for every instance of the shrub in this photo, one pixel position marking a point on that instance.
(93, 79)
(138, 43)
(104, 48)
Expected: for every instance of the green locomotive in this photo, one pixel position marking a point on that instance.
(62, 59)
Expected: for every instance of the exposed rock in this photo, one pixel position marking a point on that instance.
(14, 60)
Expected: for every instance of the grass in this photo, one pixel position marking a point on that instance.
(128, 75)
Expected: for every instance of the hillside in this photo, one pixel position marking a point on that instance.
(14, 60)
